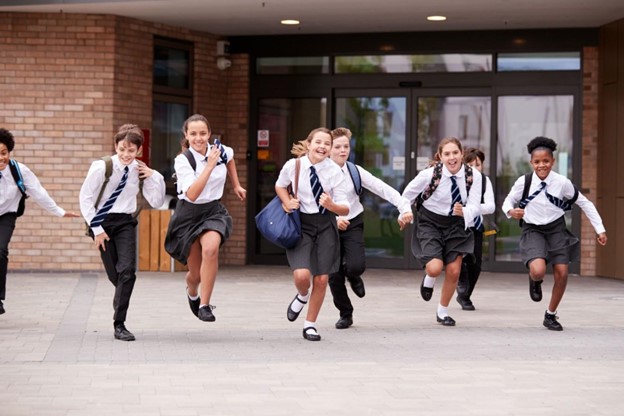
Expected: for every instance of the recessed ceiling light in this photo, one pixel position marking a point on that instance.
(436, 18)
(290, 22)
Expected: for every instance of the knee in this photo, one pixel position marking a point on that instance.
(301, 278)
(434, 268)
(209, 252)
(320, 282)
(355, 268)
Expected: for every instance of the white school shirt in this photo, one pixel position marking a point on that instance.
(440, 201)
(540, 211)
(10, 194)
(330, 175)
(376, 186)
(153, 190)
(213, 190)
(488, 206)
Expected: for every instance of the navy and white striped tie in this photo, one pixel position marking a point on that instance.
(528, 199)
(103, 212)
(317, 189)
(478, 223)
(455, 194)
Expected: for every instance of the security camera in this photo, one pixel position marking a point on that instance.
(223, 63)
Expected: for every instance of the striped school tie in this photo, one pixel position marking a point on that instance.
(531, 197)
(317, 189)
(103, 212)
(478, 223)
(561, 203)
(454, 194)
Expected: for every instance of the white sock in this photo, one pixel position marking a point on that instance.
(297, 305)
(308, 324)
(551, 313)
(442, 311)
(192, 297)
(429, 281)
(202, 305)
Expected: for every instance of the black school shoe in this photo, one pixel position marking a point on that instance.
(194, 304)
(357, 285)
(466, 304)
(425, 292)
(535, 289)
(446, 321)
(344, 322)
(1, 308)
(312, 335)
(550, 322)
(122, 334)
(205, 314)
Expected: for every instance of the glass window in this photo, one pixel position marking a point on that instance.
(374, 64)
(520, 119)
(293, 65)
(168, 118)
(172, 65)
(548, 61)
(378, 125)
(281, 122)
(467, 118)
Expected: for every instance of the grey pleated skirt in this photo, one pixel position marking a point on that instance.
(440, 237)
(189, 221)
(552, 242)
(319, 247)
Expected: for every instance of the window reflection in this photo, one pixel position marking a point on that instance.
(378, 125)
(413, 63)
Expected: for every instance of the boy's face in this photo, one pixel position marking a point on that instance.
(476, 164)
(340, 150)
(4, 156)
(542, 162)
(127, 152)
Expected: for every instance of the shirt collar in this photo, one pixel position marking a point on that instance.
(197, 155)
(117, 165)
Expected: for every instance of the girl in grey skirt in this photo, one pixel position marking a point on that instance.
(201, 224)
(545, 237)
(321, 189)
(447, 209)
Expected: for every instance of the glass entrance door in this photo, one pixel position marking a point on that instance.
(395, 135)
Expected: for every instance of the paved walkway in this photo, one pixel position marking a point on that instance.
(58, 355)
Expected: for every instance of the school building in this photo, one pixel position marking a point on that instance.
(68, 80)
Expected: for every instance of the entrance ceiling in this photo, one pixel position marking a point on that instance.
(262, 17)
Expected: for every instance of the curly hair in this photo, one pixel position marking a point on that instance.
(6, 138)
(541, 142)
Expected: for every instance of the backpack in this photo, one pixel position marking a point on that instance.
(435, 181)
(355, 177)
(566, 205)
(19, 181)
(108, 163)
(193, 164)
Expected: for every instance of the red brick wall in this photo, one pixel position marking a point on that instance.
(589, 183)
(67, 82)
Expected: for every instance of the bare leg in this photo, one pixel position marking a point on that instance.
(194, 264)
(319, 287)
(210, 242)
(450, 281)
(561, 281)
(537, 269)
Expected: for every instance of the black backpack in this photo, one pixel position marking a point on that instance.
(355, 177)
(19, 181)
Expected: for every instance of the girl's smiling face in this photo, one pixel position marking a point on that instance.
(126, 152)
(451, 157)
(197, 134)
(319, 147)
(340, 150)
(542, 161)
